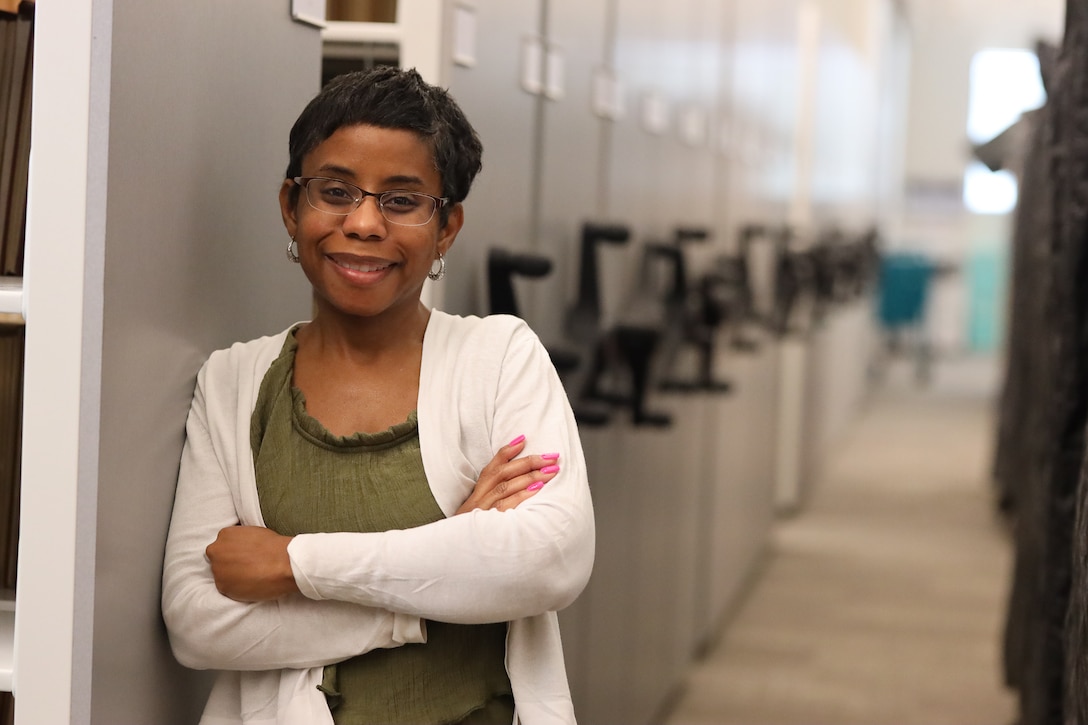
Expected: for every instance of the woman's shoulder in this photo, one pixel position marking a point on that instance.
(473, 349)
(470, 329)
(248, 355)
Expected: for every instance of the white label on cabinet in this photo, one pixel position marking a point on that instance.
(655, 113)
(750, 148)
(464, 36)
(725, 138)
(693, 126)
(554, 73)
(311, 12)
(607, 94)
(602, 92)
(532, 64)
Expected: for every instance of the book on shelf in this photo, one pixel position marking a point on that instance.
(16, 75)
(12, 343)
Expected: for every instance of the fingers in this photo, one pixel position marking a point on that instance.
(504, 456)
(507, 480)
(512, 449)
(525, 488)
(518, 481)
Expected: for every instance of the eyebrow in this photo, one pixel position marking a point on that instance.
(403, 179)
(342, 171)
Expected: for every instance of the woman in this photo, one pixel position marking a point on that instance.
(360, 531)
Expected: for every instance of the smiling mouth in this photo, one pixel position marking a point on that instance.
(364, 266)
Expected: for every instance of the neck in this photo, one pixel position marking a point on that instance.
(368, 336)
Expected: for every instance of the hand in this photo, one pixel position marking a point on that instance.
(250, 564)
(507, 481)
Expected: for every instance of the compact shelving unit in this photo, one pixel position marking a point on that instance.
(165, 125)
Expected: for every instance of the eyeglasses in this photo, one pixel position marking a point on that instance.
(335, 196)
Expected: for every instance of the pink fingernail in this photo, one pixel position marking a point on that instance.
(549, 469)
(535, 486)
(549, 456)
(517, 440)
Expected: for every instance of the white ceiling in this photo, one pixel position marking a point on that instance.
(988, 23)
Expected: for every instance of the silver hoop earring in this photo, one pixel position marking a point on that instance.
(292, 250)
(441, 269)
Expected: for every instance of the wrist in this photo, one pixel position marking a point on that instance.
(287, 572)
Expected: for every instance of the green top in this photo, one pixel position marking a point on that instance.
(310, 480)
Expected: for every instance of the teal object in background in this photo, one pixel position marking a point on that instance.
(986, 283)
(904, 289)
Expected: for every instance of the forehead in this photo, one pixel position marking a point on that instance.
(363, 151)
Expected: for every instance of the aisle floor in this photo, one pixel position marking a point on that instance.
(883, 601)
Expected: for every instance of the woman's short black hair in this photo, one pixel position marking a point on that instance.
(389, 97)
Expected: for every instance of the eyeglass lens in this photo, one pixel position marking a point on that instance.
(406, 208)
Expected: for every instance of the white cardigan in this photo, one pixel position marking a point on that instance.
(483, 381)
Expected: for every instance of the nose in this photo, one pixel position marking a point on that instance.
(366, 220)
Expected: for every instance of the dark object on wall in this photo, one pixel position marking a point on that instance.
(1022, 444)
(732, 288)
(1044, 401)
(595, 348)
(584, 319)
(638, 345)
(669, 317)
(1066, 589)
(690, 321)
(748, 243)
(502, 267)
(795, 288)
(728, 287)
(630, 354)
(1024, 413)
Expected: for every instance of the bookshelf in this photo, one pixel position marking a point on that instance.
(16, 81)
(417, 33)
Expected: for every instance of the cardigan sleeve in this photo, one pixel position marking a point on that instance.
(210, 631)
(482, 566)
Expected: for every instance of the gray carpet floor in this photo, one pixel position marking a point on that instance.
(883, 600)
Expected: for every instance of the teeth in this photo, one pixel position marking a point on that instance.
(365, 267)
